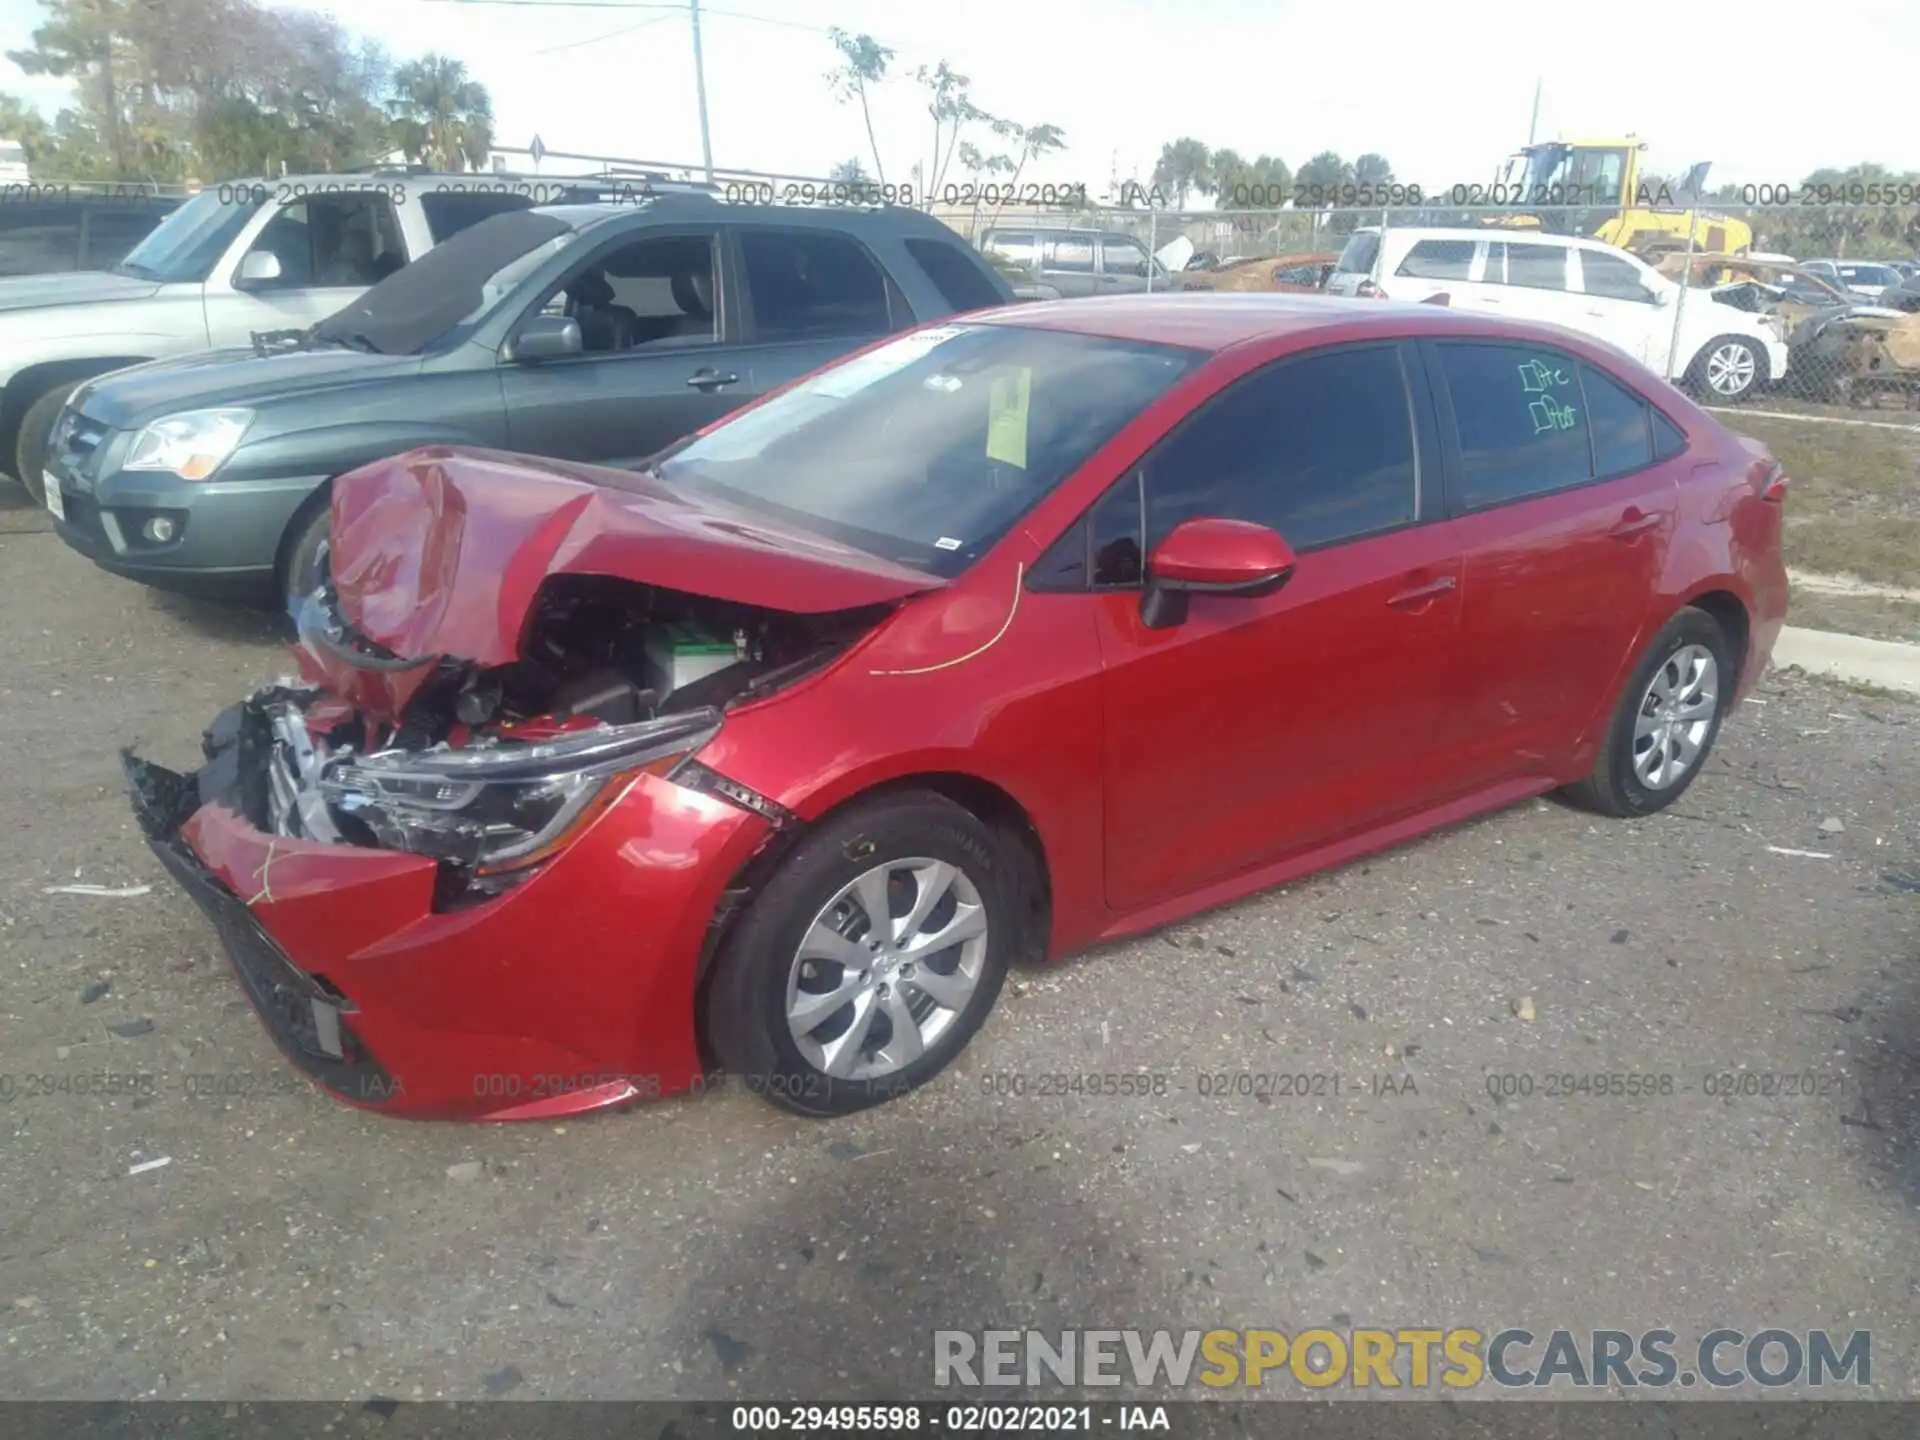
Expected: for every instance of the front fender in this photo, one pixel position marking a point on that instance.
(337, 449)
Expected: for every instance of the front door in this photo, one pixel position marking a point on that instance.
(1564, 521)
(656, 365)
(329, 249)
(1261, 728)
(1620, 307)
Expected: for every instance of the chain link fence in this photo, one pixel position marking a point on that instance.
(1813, 307)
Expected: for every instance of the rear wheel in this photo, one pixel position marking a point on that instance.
(869, 959)
(1667, 719)
(36, 429)
(1728, 369)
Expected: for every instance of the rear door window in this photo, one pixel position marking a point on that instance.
(955, 274)
(1070, 252)
(813, 285)
(1520, 418)
(1537, 267)
(1438, 260)
(1612, 278)
(1620, 422)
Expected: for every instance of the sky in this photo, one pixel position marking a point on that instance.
(1443, 91)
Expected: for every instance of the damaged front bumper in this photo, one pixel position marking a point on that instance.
(572, 990)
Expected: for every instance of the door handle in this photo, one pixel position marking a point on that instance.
(708, 379)
(1419, 595)
(1634, 522)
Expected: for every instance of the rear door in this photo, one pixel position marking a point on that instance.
(1068, 261)
(1262, 728)
(1530, 280)
(662, 356)
(1564, 515)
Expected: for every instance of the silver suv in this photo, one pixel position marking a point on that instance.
(1078, 262)
(234, 261)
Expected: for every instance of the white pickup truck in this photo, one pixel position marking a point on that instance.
(234, 261)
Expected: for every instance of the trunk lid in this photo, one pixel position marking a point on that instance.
(442, 551)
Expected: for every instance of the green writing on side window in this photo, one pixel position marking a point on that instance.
(1539, 379)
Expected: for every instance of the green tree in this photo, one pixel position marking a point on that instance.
(863, 64)
(442, 116)
(1372, 169)
(20, 121)
(1325, 171)
(1183, 169)
(849, 172)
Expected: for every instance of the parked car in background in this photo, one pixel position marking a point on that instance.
(600, 333)
(1583, 284)
(254, 255)
(781, 751)
(1076, 262)
(1296, 273)
(50, 229)
(1862, 277)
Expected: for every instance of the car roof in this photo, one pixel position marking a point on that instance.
(1211, 320)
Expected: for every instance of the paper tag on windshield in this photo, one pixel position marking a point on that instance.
(1007, 418)
(852, 376)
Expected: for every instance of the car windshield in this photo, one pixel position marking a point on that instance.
(437, 299)
(184, 247)
(929, 448)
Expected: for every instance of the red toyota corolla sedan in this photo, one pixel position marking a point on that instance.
(1011, 635)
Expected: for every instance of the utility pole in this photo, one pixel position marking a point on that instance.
(700, 88)
(1533, 125)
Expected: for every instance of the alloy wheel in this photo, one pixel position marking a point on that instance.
(886, 967)
(1730, 369)
(1675, 717)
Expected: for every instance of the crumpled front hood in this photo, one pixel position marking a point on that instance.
(84, 287)
(441, 551)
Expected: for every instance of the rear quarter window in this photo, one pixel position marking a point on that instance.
(955, 274)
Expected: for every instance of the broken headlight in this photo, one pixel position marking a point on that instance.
(505, 806)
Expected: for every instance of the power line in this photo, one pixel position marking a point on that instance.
(609, 35)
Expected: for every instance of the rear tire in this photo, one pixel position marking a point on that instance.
(1728, 369)
(36, 429)
(1666, 720)
(809, 938)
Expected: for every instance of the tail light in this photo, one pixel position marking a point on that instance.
(1367, 290)
(1773, 486)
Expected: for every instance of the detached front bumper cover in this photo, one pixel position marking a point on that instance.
(311, 1024)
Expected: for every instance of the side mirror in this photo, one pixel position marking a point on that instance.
(257, 268)
(1663, 297)
(1211, 557)
(547, 337)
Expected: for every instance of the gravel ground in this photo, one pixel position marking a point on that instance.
(295, 1248)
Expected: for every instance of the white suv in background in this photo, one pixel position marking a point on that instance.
(1585, 285)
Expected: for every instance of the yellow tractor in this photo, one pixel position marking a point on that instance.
(1599, 188)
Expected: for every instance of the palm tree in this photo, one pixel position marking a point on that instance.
(440, 115)
(1182, 168)
(864, 63)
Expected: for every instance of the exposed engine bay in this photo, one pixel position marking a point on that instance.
(487, 768)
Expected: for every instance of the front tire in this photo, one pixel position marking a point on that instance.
(1728, 370)
(303, 562)
(869, 959)
(36, 430)
(1664, 725)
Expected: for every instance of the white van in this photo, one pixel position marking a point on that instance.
(1585, 285)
